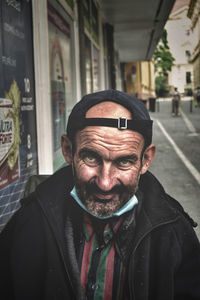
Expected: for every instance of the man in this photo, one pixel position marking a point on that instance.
(102, 227)
(176, 102)
(197, 96)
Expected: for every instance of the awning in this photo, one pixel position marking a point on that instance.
(138, 25)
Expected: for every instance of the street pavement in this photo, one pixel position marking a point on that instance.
(177, 161)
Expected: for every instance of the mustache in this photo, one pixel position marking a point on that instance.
(92, 187)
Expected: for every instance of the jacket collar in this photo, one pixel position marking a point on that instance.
(152, 211)
(52, 198)
(151, 195)
(52, 194)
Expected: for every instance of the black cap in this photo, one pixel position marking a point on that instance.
(140, 122)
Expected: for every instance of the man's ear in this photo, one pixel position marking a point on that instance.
(66, 148)
(148, 156)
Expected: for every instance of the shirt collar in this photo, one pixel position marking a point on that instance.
(109, 231)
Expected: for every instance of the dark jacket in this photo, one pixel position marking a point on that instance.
(156, 242)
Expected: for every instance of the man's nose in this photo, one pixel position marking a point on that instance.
(106, 178)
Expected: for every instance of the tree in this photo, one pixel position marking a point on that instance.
(163, 62)
(161, 86)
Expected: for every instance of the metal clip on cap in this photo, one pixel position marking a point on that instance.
(122, 123)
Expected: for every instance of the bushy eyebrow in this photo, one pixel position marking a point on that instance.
(87, 151)
(133, 157)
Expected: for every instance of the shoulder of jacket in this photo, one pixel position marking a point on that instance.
(179, 208)
(153, 189)
(62, 177)
(45, 183)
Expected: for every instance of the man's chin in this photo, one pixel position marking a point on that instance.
(101, 207)
(101, 213)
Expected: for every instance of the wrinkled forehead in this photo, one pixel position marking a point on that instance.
(109, 140)
(108, 109)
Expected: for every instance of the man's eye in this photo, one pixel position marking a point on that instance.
(90, 160)
(124, 163)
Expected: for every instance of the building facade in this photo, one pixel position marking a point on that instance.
(180, 43)
(140, 79)
(193, 14)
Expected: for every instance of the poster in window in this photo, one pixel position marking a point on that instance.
(18, 143)
(18, 139)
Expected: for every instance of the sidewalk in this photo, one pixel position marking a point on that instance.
(168, 166)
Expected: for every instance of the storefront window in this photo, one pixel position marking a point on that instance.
(88, 65)
(86, 14)
(61, 76)
(70, 3)
(94, 22)
(96, 69)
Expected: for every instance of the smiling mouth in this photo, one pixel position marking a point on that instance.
(102, 200)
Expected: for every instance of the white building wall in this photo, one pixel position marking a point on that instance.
(194, 14)
(180, 43)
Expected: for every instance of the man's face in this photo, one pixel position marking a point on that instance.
(107, 162)
(107, 165)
